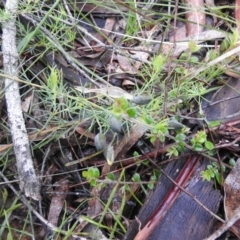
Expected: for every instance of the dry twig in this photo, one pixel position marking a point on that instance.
(225, 226)
(28, 179)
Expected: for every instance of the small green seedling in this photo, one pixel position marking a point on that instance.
(153, 179)
(159, 131)
(120, 105)
(193, 46)
(199, 141)
(92, 174)
(212, 172)
(111, 176)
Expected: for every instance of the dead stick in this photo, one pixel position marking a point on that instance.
(29, 182)
(225, 226)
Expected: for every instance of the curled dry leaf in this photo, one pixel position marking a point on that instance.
(57, 202)
(27, 102)
(109, 154)
(127, 82)
(126, 64)
(141, 54)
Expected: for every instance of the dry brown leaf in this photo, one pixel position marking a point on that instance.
(126, 64)
(130, 139)
(142, 56)
(232, 194)
(57, 202)
(108, 27)
(128, 83)
(27, 102)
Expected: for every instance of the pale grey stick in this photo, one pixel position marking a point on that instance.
(225, 226)
(29, 182)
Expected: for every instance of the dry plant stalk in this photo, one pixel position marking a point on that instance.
(29, 182)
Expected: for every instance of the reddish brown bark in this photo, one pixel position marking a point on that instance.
(195, 17)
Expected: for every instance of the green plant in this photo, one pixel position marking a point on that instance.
(199, 142)
(212, 172)
(159, 131)
(4, 16)
(131, 27)
(92, 174)
(153, 179)
(230, 41)
(173, 151)
(165, 89)
(120, 105)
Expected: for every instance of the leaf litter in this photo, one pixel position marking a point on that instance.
(138, 68)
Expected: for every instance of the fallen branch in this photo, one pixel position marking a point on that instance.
(28, 179)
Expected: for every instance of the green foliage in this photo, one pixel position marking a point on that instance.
(230, 41)
(180, 137)
(136, 159)
(92, 174)
(111, 176)
(172, 151)
(212, 54)
(199, 141)
(193, 59)
(6, 209)
(3, 197)
(131, 112)
(131, 28)
(136, 177)
(232, 162)
(54, 83)
(157, 63)
(135, 154)
(212, 172)
(147, 119)
(159, 131)
(193, 46)
(156, 75)
(213, 124)
(153, 179)
(4, 16)
(151, 184)
(209, 145)
(119, 106)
